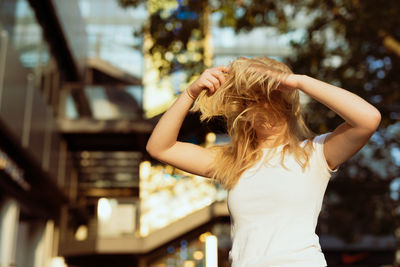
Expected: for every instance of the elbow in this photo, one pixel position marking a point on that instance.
(374, 119)
(153, 151)
(150, 150)
(156, 150)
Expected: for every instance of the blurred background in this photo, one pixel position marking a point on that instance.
(84, 82)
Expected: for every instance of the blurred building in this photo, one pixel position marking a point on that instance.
(77, 187)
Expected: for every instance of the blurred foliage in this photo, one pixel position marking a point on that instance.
(356, 57)
(344, 42)
(177, 31)
(363, 198)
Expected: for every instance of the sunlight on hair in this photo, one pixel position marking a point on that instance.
(252, 100)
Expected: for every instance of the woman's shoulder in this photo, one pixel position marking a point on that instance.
(316, 141)
(318, 151)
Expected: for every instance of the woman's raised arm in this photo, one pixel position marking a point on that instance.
(361, 118)
(163, 145)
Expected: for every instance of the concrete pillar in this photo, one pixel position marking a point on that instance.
(9, 217)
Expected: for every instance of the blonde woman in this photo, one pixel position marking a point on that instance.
(275, 169)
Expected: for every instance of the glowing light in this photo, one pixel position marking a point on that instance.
(203, 236)
(169, 169)
(188, 264)
(104, 209)
(169, 56)
(182, 58)
(85, 162)
(81, 233)
(197, 56)
(85, 154)
(211, 137)
(191, 46)
(58, 262)
(150, 76)
(144, 230)
(144, 170)
(166, 184)
(211, 251)
(198, 255)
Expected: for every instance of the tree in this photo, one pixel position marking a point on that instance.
(354, 44)
(177, 31)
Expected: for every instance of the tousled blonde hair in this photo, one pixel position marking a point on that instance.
(250, 94)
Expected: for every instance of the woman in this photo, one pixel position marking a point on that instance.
(275, 169)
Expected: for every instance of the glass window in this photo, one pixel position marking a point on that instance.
(26, 34)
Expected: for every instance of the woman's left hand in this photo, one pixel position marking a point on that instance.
(290, 82)
(287, 81)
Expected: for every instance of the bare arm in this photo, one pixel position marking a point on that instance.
(163, 145)
(361, 118)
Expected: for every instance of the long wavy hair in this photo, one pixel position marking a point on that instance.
(252, 94)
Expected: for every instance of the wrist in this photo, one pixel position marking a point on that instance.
(299, 80)
(190, 94)
(292, 81)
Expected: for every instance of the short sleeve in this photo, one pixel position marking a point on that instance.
(318, 143)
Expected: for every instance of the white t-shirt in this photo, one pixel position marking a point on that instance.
(274, 212)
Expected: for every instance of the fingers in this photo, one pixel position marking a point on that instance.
(219, 73)
(210, 81)
(223, 68)
(209, 85)
(216, 83)
(221, 77)
(213, 78)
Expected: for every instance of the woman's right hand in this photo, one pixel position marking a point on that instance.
(211, 79)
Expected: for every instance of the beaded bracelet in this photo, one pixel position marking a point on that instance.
(190, 95)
